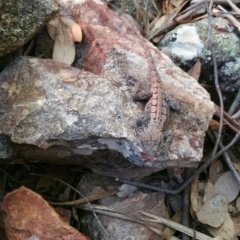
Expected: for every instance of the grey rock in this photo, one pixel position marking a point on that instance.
(57, 113)
(189, 41)
(21, 20)
(71, 115)
(7, 151)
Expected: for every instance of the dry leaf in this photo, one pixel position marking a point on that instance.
(214, 125)
(165, 6)
(63, 49)
(171, 8)
(215, 171)
(232, 210)
(161, 25)
(64, 32)
(176, 3)
(227, 185)
(214, 211)
(196, 199)
(69, 23)
(236, 223)
(208, 191)
(237, 166)
(238, 204)
(195, 71)
(166, 22)
(226, 231)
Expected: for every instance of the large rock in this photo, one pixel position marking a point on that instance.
(21, 20)
(190, 41)
(68, 115)
(28, 216)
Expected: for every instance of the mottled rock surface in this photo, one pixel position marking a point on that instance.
(189, 41)
(54, 112)
(21, 20)
(28, 216)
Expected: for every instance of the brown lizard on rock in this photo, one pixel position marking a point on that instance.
(155, 119)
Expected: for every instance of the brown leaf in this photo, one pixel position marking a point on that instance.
(208, 191)
(168, 232)
(74, 28)
(176, 3)
(196, 199)
(161, 25)
(165, 6)
(64, 32)
(166, 22)
(215, 171)
(238, 204)
(69, 23)
(226, 231)
(195, 71)
(237, 166)
(214, 125)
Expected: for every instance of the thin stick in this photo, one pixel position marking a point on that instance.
(229, 163)
(115, 213)
(186, 203)
(123, 6)
(233, 6)
(174, 225)
(210, 35)
(228, 120)
(146, 27)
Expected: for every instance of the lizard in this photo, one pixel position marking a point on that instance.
(156, 111)
(155, 118)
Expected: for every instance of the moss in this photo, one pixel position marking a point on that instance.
(231, 49)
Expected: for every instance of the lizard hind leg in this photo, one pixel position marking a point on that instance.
(172, 103)
(139, 124)
(142, 122)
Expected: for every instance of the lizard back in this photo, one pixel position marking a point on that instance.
(156, 110)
